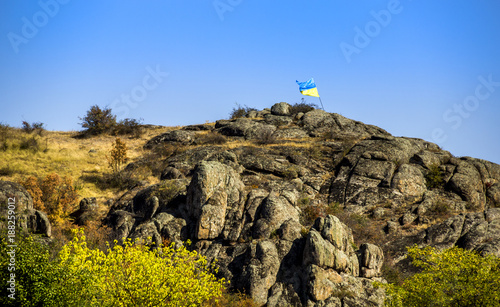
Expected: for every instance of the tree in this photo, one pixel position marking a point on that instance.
(453, 277)
(98, 121)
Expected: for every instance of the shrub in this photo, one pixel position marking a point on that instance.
(128, 275)
(34, 273)
(240, 111)
(129, 126)
(453, 277)
(265, 137)
(30, 143)
(302, 107)
(135, 275)
(98, 121)
(211, 138)
(38, 127)
(434, 177)
(118, 155)
(54, 195)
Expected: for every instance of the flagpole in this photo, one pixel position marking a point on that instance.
(321, 103)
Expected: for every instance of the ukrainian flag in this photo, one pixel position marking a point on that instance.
(308, 88)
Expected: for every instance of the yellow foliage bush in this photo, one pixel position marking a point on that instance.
(453, 277)
(135, 275)
(118, 155)
(54, 195)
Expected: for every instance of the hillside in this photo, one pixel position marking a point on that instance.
(299, 207)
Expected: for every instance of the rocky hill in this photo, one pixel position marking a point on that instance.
(302, 208)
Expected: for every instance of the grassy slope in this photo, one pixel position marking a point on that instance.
(65, 155)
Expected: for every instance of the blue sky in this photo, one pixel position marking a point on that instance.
(425, 69)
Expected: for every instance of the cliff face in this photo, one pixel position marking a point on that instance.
(305, 209)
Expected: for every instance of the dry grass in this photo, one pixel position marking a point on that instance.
(65, 155)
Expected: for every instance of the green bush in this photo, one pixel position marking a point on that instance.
(302, 107)
(98, 121)
(453, 277)
(129, 126)
(240, 111)
(37, 127)
(434, 177)
(35, 274)
(127, 275)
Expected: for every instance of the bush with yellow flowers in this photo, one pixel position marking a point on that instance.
(136, 275)
(129, 274)
(453, 277)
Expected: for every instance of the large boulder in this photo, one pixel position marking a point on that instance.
(176, 136)
(87, 211)
(467, 183)
(371, 260)
(262, 270)
(281, 109)
(410, 181)
(274, 211)
(15, 196)
(215, 201)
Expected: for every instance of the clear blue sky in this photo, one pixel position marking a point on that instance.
(426, 69)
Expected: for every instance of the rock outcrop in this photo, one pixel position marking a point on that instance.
(27, 218)
(248, 206)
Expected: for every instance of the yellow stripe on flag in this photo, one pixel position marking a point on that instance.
(311, 92)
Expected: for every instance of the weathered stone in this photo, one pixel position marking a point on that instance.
(281, 109)
(322, 253)
(371, 260)
(468, 184)
(291, 133)
(274, 211)
(336, 232)
(27, 218)
(290, 230)
(171, 173)
(322, 283)
(146, 233)
(278, 121)
(215, 191)
(121, 222)
(445, 234)
(360, 292)
(262, 271)
(493, 193)
(87, 211)
(176, 136)
(170, 227)
(283, 295)
(410, 181)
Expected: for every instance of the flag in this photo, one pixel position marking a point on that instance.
(308, 88)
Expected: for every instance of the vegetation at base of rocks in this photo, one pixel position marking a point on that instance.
(233, 299)
(302, 107)
(310, 212)
(266, 137)
(434, 177)
(211, 138)
(53, 195)
(126, 275)
(453, 277)
(167, 190)
(240, 111)
(129, 126)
